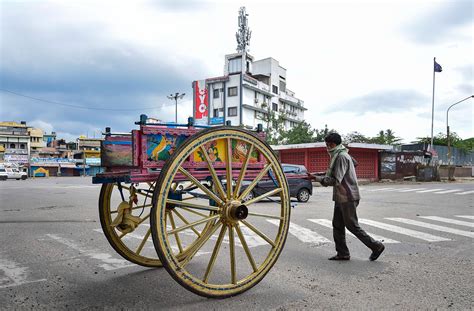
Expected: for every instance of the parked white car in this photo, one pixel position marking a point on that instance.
(12, 173)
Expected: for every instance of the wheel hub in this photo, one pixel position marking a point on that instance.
(235, 211)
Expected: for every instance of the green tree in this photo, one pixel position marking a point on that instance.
(275, 131)
(300, 134)
(355, 137)
(320, 134)
(386, 137)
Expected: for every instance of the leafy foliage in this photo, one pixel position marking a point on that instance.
(442, 140)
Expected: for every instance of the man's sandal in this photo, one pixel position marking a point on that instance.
(338, 257)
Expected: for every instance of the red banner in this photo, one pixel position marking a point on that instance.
(201, 101)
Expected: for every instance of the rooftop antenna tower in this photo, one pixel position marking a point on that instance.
(244, 33)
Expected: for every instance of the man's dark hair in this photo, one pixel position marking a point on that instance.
(334, 138)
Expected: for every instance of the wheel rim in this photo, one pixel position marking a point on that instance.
(230, 260)
(135, 246)
(304, 195)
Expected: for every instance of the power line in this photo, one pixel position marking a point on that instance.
(77, 106)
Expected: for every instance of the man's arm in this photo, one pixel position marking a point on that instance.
(338, 172)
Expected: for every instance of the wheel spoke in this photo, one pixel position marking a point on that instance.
(193, 224)
(243, 170)
(232, 255)
(212, 260)
(192, 211)
(255, 181)
(200, 244)
(228, 168)
(246, 248)
(261, 234)
(176, 235)
(201, 186)
(263, 196)
(216, 180)
(193, 205)
(265, 215)
(185, 221)
(140, 247)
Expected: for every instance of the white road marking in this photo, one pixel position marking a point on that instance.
(401, 230)
(109, 263)
(414, 189)
(434, 227)
(465, 192)
(398, 189)
(451, 221)
(447, 191)
(430, 190)
(327, 223)
(465, 216)
(303, 234)
(15, 275)
(381, 189)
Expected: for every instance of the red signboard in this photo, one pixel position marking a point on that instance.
(201, 102)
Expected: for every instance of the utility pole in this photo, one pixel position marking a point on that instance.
(176, 96)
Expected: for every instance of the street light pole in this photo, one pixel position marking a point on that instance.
(176, 96)
(447, 133)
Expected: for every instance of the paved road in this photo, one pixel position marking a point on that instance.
(54, 257)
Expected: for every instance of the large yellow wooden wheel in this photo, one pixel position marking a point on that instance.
(124, 211)
(230, 243)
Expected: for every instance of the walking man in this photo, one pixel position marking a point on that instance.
(341, 175)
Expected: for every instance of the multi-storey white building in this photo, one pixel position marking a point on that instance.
(251, 91)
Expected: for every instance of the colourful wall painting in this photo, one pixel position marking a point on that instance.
(117, 152)
(216, 151)
(160, 147)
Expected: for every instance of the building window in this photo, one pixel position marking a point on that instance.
(275, 89)
(216, 113)
(282, 86)
(12, 146)
(232, 112)
(232, 91)
(275, 107)
(235, 65)
(22, 146)
(216, 93)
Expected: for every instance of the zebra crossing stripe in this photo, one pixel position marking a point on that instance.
(381, 189)
(434, 227)
(14, 274)
(414, 189)
(465, 216)
(399, 189)
(108, 262)
(404, 231)
(328, 224)
(465, 192)
(303, 234)
(451, 221)
(447, 191)
(430, 190)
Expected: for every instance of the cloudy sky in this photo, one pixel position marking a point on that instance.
(358, 65)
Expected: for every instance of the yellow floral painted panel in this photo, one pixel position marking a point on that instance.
(216, 151)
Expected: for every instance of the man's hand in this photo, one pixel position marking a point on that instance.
(316, 176)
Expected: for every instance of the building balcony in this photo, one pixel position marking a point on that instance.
(286, 98)
(254, 84)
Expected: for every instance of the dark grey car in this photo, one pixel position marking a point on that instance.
(300, 187)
